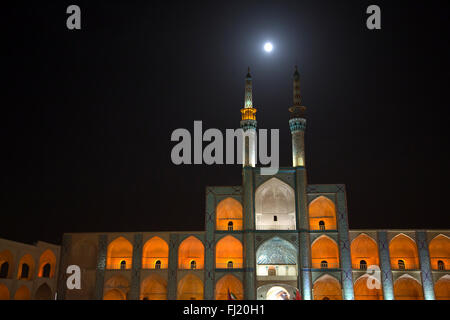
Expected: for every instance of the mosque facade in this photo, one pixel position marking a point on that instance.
(269, 238)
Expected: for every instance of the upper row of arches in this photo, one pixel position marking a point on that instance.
(26, 266)
(275, 210)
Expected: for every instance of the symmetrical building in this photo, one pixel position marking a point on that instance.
(264, 239)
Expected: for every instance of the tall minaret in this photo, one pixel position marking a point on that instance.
(248, 124)
(297, 124)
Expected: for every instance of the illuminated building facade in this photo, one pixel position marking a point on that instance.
(263, 239)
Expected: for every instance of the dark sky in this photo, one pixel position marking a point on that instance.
(87, 115)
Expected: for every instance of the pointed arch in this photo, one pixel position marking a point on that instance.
(26, 267)
(43, 292)
(368, 288)
(403, 251)
(4, 292)
(155, 249)
(322, 214)
(439, 249)
(276, 257)
(229, 249)
(190, 288)
(275, 206)
(324, 249)
(229, 212)
(23, 293)
(442, 288)
(229, 283)
(191, 250)
(154, 287)
(364, 249)
(327, 288)
(407, 288)
(118, 251)
(116, 288)
(47, 264)
(6, 264)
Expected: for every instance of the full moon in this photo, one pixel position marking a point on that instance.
(268, 47)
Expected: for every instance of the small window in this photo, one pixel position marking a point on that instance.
(363, 265)
(326, 298)
(272, 271)
(401, 264)
(230, 226)
(123, 265)
(158, 264)
(4, 270)
(230, 264)
(46, 270)
(193, 264)
(321, 225)
(275, 218)
(441, 265)
(25, 271)
(324, 264)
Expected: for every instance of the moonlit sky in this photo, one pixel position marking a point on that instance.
(87, 115)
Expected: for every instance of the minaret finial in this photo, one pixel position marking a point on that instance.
(248, 73)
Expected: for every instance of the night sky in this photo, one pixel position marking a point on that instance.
(87, 115)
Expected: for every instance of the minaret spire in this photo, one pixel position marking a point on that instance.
(248, 124)
(297, 124)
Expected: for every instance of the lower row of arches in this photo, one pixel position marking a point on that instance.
(44, 292)
(191, 287)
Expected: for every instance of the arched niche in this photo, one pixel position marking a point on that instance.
(368, 288)
(43, 292)
(4, 292)
(275, 206)
(229, 284)
(22, 293)
(116, 288)
(155, 249)
(322, 214)
(229, 253)
(439, 249)
(407, 288)
(229, 215)
(276, 257)
(6, 264)
(364, 249)
(26, 267)
(119, 254)
(403, 253)
(324, 253)
(190, 287)
(442, 288)
(154, 287)
(191, 252)
(47, 264)
(327, 288)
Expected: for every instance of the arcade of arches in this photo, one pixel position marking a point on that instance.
(324, 253)
(229, 283)
(229, 215)
(327, 288)
(229, 253)
(155, 254)
(322, 214)
(403, 252)
(119, 254)
(191, 254)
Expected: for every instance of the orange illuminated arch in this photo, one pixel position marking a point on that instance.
(442, 288)
(322, 214)
(327, 288)
(155, 249)
(191, 252)
(229, 249)
(229, 283)
(407, 288)
(364, 248)
(47, 258)
(368, 288)
(154, 287)
(440, 251)
(229, 214)
(190, 288)
(6, 258)
(324, 249)
(43, 292)
(118, 251)
(116, 288)
(4, 292)
(23, 293)
(25, 262)
(403, 248)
